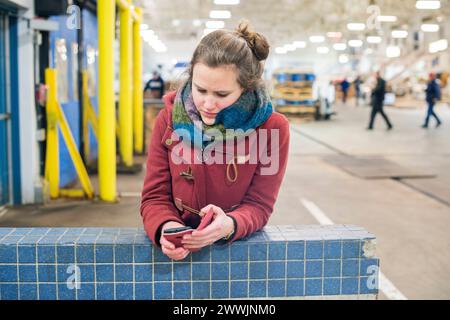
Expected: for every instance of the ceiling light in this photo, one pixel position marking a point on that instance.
(215, 24)
(323, 50)
(374, 39)
(220, 14)
(290, 47)
(299, 44)
(355, 43)
(335, 35)
(400, 34)
(437, 46)
(429, 27)
(339, 46)
(428, 5)
(343, 58)
(280, 50)
(387, 18)
(197, 23)
(226, 2)
(317, 39)
(393, 52)
(356, 26)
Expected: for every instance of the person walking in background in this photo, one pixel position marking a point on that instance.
(433, 94)
(357, 84)
(377, 102)
(155, 85)
(345, 85)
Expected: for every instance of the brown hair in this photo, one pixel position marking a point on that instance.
(243, 48)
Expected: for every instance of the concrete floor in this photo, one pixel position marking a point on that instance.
(410, 217)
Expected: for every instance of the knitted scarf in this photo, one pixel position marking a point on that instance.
(250, 111)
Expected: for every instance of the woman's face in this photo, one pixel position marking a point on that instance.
(214, 89)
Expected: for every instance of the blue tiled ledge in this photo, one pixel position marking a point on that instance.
(335, 261)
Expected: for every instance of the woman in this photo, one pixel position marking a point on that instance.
(221, 113)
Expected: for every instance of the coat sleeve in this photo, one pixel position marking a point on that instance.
(156, 200)
(257, 204)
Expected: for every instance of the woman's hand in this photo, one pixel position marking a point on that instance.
(168, 248)
(221, 227)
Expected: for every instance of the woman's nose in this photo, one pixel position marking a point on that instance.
(209, 104)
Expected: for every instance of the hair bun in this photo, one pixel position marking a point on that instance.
(256, 41)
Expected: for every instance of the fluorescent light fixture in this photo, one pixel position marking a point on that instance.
(387, 18)
(343, 58)
(299, 44)
(280, 50)
(437, 46)
(355, 43)
(176, 22)
(428, 4)
(226, 2)
(144, 26)
(323, 50)
(356, 26)
(197, 23)
(215, 24)
(289, 47)
(317, 39)
(400, 34)
(335, 35)
(428, 27)
(220, 14)
(339, 46)
(393, 52)
(374, 39)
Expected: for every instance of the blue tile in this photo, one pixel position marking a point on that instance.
(29, 240)
(46, 254)
(203, 255)
(313, 287)
(295, 269)
(277, 251)
(47, 291)
(314, 249)
(8, 254)
(163, 272)
(143, 291)
(331, 287)
(143, 254)
(9, 291)
(313, 269)
(104, 273)
(258, 252)
(296, 250)
(239, 252)
(258, 270)
(49, 240)
(64, 293)
(369, 267)
(277, 288)
(47, 273)
(239, 289)
(11, 240)
(86, 292)
(163, 290)
(27, 273)
(66, 254)
(27, 254)
(104, 254)
(220, 253)
(28, 291)
(124, 254)
(181, 290)
(277, 270)
(350, 268)
(350, 286)
(257, 289)
(182, 271)
(295, 288)
(85, 254)
(350, 249)
(8, 273)
(124, 291)
(333, 249)
(332, 268)
(87, 240)
(201, 271)
(239, 271)
(368, 285)
(52, 231)
(143, 273)
(21, 231)
(124, 272)
(219, 271)
(219, 290)
(87, 273)
(63, 272)
(105, 291)
(200, 290)
(159, 256)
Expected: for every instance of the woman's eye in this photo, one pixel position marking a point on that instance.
(222, 95)
(201, 91)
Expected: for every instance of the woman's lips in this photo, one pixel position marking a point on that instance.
(208, 114)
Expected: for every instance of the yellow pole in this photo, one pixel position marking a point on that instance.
(138, 99)
(85, 115)
(125, 102)
(52, 153)
(107, 118)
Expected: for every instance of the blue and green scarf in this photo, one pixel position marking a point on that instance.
(250, 111)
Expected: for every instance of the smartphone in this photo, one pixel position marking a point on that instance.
(175, 235)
